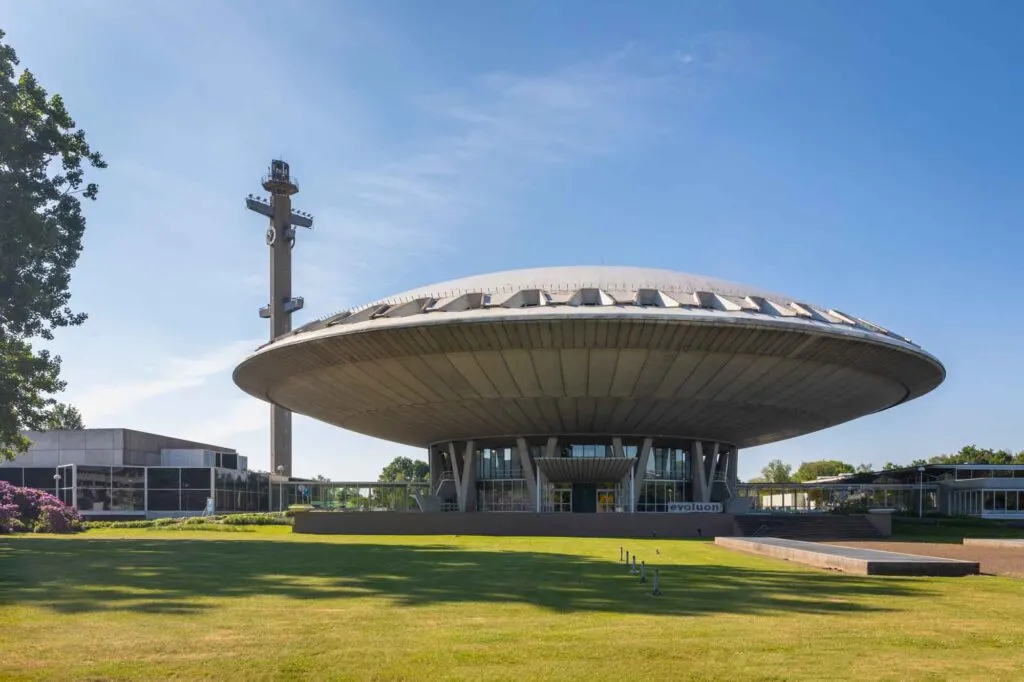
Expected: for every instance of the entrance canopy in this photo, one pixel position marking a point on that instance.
(584, 470)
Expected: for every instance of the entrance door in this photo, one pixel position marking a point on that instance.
(584, 498)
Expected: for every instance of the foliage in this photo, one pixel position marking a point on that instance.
(43, 159)
(972, 454)
(28, 509)
(268, 519)
(777, 471)
(808, 471)
(404, 469)
(64, 417)
(216, 522)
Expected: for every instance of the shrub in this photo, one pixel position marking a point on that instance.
(261, 519)
(35, 510)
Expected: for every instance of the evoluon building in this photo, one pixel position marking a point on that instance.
(588, 389)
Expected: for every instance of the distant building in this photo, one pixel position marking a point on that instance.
(125, 473)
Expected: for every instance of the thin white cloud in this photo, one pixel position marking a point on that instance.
(240, 416)
(503, 132)
(176, 374)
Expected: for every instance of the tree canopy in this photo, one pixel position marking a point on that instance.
(808, 471)
(64, 416)
(972, 454)
(43, 160)
(404, 469)
(777, 471)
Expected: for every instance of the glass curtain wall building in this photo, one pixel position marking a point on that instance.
(157, 491)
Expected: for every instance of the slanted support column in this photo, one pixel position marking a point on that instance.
(640, 472)
(716, 457)
(527, 464)
(697, 470)
(457, 469)
(467, 497)
(436, 462)
(708, 468)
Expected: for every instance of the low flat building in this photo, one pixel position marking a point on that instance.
(108, 473)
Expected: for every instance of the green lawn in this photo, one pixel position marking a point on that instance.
(266, 604)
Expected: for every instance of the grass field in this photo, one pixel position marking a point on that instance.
(266, 604)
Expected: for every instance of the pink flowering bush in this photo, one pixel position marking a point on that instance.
(35, 510)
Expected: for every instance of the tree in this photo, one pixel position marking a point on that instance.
(972, 454)
(808, 471)
(43, 159)
(777, 471)
(404, 469)
(65, 417)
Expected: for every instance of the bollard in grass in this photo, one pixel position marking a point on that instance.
(632, 570)
(627, 557)
(620, 554)
(657, 585)
(643, 571)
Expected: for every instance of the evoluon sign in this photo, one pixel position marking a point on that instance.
(695, 507)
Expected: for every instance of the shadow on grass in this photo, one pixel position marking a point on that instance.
(191, 576)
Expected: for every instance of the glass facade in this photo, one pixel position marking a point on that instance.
(982, 502)
(136, 490)
(240, 491)
(501, 484)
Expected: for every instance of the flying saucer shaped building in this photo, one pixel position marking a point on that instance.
(588, 389)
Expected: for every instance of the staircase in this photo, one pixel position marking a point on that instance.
(811, 527)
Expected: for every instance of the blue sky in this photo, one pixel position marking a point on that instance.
(864, 155)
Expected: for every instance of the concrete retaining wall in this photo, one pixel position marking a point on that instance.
(518, 524)
(850, 559)
(1002, 543)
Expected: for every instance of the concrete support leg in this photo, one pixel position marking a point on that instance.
(457, 470)
(467, 486)
(528, 470)
(641, 470)
(697, 470)
(617, 450)
(436, 461)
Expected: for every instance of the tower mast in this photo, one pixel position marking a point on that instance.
(281, 239)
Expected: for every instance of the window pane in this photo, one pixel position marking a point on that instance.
(41, 478)
(128, 477)
(93, 477)
(11, 474)
(162, 478)
(94, 499)
(194, 500)
(164, 500)
(127, 499)
(196, 479)
(229, 461)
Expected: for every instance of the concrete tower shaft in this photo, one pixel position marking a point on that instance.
(281, 240)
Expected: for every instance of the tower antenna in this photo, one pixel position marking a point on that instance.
(281, 240)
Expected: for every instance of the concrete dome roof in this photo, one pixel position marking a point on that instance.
(589, 350)
(574, 277)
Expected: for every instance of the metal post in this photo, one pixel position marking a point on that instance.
(657, 584)
(620, 554)
(627, 557)
(643, 571)
(920, 492)
(632, 570)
